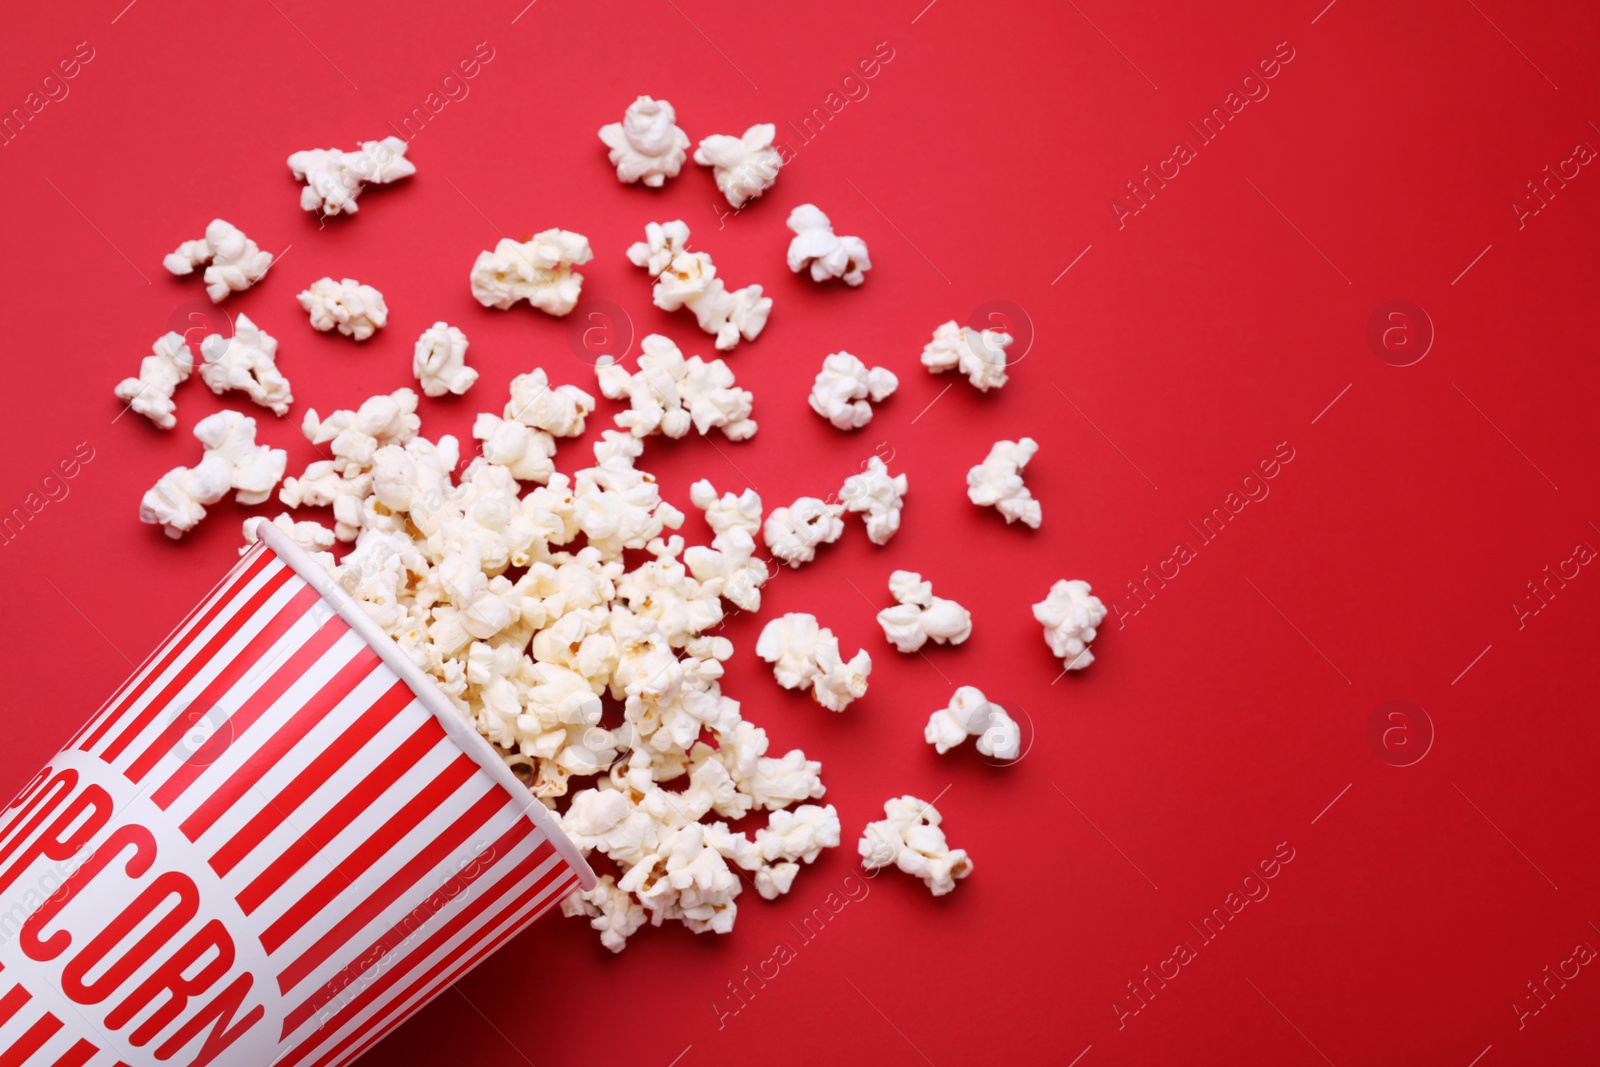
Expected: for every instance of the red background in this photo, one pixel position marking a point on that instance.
(1221, 320)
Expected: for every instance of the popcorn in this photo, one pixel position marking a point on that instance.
(793, 533)
(355, 310)
(538, 271)
(150, 394)
(335, 178)
(647, 144)
(911, 839)
(440, 362)
(919, 616)
(1070, 615)
(817, 249)
(248, 362)
(357, 435)
(997, 482)
(311, 536)
(559, 412)
(613, 912)
(971, 714)
(799, 833)
(981, 356)
(744, 167)
(528, 454)
(231, 460)
(689, 279)
(804, 654)
(845, 385)
(729, 567)
(235, 262)
(878, 496)
(668, 394)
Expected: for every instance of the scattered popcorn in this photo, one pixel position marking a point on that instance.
(804, 654)
(845, 385)
(744, 167)
(793, 533)
(919, 616)
(335, 178)
(981, 356)
(440, 362)
(538, 271)
(997, 482)
(1070, 615)
(729, 566)
(150, 394)
(612, 911)
(647, 144)
(231, 460)
(248, 362)
(355, 310)
(971, 714)
(817, 249)
(668, 393)
(911, 839)
(689, 279)
(878, 496)
(235, 262)
(357, 435)
(314, 537)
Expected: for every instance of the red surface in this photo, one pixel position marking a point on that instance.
(1221, 321)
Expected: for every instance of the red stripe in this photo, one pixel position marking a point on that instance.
(68, 781)
(23, 805)
(78, 1055)
(411, 924)
(175, 646)
(316, 774)
(240, 666)
(26, 792)
(440, 937)
(224, 634)
(402, 881)
(30, 1042)
(12, 1002)
(341, 815)
(273, 748)
(271, 691)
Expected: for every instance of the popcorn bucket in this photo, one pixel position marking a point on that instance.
(275, 843)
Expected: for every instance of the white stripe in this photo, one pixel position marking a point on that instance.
(26, 1016)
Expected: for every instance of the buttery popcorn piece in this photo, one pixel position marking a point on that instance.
(1070, 616)
(744, 167)
(355, 310)
(686, 279)
(150, 394)
(919, 616)
(804, 654)
(559, 412)
(729, 566)
(538, 271)
(997, 482)
(877, 496)
(334, 178)
(231, 460)
(971, 714)
(233, 262)
(669, 393)
(248, 362)
(980, 355)
(793, 533)
(817, 249)
(910, 838)
(844, 387)
(440, 361)
(647, 145)
(357, 435)
(314, 537)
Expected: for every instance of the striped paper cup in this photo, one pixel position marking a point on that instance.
(276, 842)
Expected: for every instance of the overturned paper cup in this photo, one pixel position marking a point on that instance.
(275, 843)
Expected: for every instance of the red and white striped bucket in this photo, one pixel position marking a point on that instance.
(275, 843)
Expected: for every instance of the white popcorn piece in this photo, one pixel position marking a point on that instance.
(355, 310)
(1070, 615)
(150, 394)
(877, 496)
(440, 361)
(647, 145)
(559, 412)
(538, 270)
(669, 393)
(311, 536)
(799, 834)
(248, 362)
(997, 482)
(919, 616)
(685, 279)
(980, 355)
(334, 178)
(527, 453)
(845, 390)
(231, 460)
(612, 911)
(804, 654)
(357, 435)
(744, 167)
(971, 714)
(233, 262)
(819, 251)
(910, 837)
(728, 567)
(794, 533)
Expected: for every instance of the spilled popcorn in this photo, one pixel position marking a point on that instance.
(909, 837)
